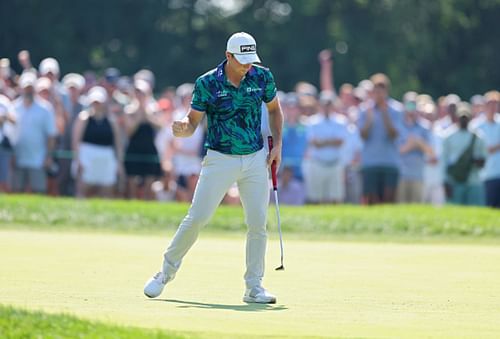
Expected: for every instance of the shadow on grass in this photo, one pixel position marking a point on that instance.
(240, 308)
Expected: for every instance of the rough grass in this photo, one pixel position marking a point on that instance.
(20, 323)
(37, 212)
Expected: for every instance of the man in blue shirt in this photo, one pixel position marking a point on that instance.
(36, 133)
(380, 125)
(414, 141)
(230, 96)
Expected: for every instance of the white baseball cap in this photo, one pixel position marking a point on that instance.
(43, 83)
(49, 65)
(74, 80)
(27, 79)
(142, 86)
(243, 47)
(97, 94)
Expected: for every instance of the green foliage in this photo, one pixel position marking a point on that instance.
(435, 47)
(38, 212)
(17, 323)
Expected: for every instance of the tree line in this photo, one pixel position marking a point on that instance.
(434, 47)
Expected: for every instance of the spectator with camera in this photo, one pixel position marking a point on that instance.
(464, 154)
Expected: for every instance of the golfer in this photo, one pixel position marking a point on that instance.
(231, 97)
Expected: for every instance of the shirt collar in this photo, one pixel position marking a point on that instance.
(221, 71)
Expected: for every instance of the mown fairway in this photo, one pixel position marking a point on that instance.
(334, 289)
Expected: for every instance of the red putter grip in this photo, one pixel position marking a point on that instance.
(273, 165)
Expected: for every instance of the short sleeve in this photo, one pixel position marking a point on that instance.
(199, 101)
(269, 88)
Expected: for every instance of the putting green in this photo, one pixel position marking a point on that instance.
(328, 288)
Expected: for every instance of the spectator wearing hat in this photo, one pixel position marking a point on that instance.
(146, 75)
(414, 146)
(74, 84)
(448, 112)
(7, 81)
(380, 124)
(7, 127)
(49, 68)
(464, 154)
(324, 173)
(477, 105)
(5, 69)
(308, 99)
(490, 132)
(142, 163)
(97, 149)
(36, 132)
(367, 88)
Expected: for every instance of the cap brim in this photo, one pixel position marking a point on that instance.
(247, 58)
(96, 98)
(27, 84)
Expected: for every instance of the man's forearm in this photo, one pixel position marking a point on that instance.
(494, 149)
(388, 125)
(276, 125)
(365, 130)
(51, 145)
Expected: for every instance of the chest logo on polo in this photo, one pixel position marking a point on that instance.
(251, 90)
(221, 94)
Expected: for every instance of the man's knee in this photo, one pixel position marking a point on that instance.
(196, 220)
(256, 222)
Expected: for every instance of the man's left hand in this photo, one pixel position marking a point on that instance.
(275, 155)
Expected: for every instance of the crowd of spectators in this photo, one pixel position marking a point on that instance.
(85, 136)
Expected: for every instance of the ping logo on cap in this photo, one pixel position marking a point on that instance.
(248, 48)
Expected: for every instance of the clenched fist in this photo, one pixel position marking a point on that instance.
(182, 128)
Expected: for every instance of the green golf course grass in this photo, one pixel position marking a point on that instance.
(67, 277)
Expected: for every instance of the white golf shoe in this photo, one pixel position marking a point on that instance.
(260, 295)
(155, 285)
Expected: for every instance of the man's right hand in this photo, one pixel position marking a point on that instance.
(182, 128)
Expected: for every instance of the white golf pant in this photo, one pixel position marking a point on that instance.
(219, 171)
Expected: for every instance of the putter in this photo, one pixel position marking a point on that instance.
(276, 203)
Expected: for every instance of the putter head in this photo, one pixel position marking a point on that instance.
(281, 268)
